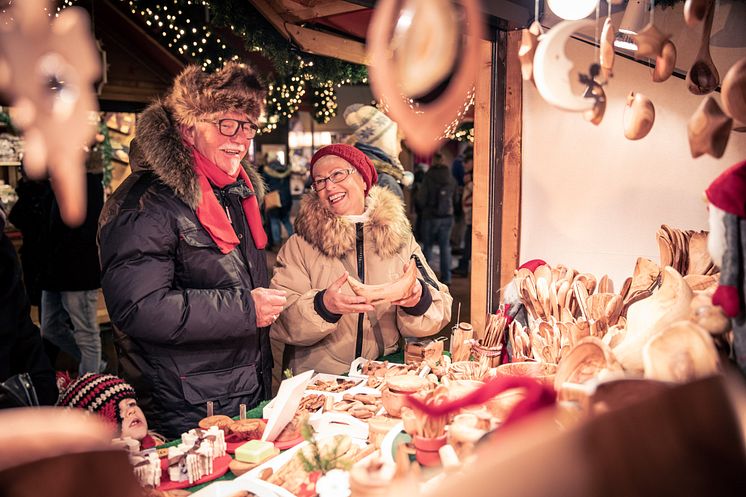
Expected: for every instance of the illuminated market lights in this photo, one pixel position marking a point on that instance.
(183, 28)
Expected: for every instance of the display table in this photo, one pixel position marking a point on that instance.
(396, 357)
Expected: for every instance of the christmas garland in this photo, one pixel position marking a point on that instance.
(193, 28)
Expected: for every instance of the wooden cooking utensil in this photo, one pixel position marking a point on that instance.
(695, 10)
(529, 42)
(606, 57)
(665, 62)
(639, 116)
(703, 76)
(733, 91)
(650, 41)
(709, 129)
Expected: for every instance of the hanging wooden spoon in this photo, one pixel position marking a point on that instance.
(606, 56)
(703, 77)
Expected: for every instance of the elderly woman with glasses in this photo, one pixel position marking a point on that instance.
(347, 226)
(184, 272)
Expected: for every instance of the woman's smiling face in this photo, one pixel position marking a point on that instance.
(346, 197)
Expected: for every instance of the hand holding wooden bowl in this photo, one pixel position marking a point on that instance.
(386, 292)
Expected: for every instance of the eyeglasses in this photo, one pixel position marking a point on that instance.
(229, 127)
(336, 177)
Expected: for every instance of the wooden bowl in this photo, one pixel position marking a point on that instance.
(542, 371)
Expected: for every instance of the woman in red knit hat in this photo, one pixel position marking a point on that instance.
(349, 226)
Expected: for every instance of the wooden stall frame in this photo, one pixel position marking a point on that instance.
(496, 209)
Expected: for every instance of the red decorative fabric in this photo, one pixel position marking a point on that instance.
(728, 191)
(727, 298)
(355, 157)
(537, 397)
(147, 442)
(211, 214)
(532, 264)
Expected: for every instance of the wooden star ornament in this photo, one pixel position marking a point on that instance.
(48, 67)
(709, 129)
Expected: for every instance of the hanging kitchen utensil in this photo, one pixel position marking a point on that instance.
(709, 129)
(529, 42)
(665, 62)
(607, 47)
(552, 68)
(639, 116)
(703, 76)
(733, 91)
(695, 10)
(47, 70)
(650, 41)
(423, 124)
(425, 47)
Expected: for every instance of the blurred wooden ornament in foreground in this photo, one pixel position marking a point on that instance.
(47, 71)
(423, 123)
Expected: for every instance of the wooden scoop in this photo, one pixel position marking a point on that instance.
(703, 77)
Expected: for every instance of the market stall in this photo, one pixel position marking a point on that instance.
(596, 360)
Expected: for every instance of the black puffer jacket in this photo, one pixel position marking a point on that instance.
(184, 312)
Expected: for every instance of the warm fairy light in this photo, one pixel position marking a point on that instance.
(191, 37)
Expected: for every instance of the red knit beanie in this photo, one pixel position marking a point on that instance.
(728, 191)
(355, 157)
(99, 393)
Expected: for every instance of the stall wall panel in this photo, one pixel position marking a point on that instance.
(592, 199)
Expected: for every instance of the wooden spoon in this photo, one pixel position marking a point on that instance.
(606, 56)
(703, 77)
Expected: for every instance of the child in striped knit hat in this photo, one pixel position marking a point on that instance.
(113, 399)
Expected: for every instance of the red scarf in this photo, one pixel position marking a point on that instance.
(211, 214)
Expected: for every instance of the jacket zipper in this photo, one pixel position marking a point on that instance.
(361, 275)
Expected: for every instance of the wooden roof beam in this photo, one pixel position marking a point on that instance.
(312, 41)
(299, 13)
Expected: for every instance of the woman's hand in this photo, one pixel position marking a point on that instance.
(268, 304)
(411, 299)
(339, 303)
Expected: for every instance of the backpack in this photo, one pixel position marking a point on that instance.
(443, 206)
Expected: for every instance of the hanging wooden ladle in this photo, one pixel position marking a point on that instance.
(703, 76)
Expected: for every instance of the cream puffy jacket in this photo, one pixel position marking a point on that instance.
(323, 247)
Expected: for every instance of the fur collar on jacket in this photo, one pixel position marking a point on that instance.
(334, 236)
(158, 147)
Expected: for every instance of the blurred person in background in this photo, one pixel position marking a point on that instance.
(466, 206)
(437, 198)
(276, 176)
(70, 280)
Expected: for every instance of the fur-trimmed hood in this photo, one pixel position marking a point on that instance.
(387, 225)
(158, 147)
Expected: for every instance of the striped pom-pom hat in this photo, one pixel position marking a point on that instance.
(99, 393)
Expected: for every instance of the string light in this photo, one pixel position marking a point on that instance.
(183, 26)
